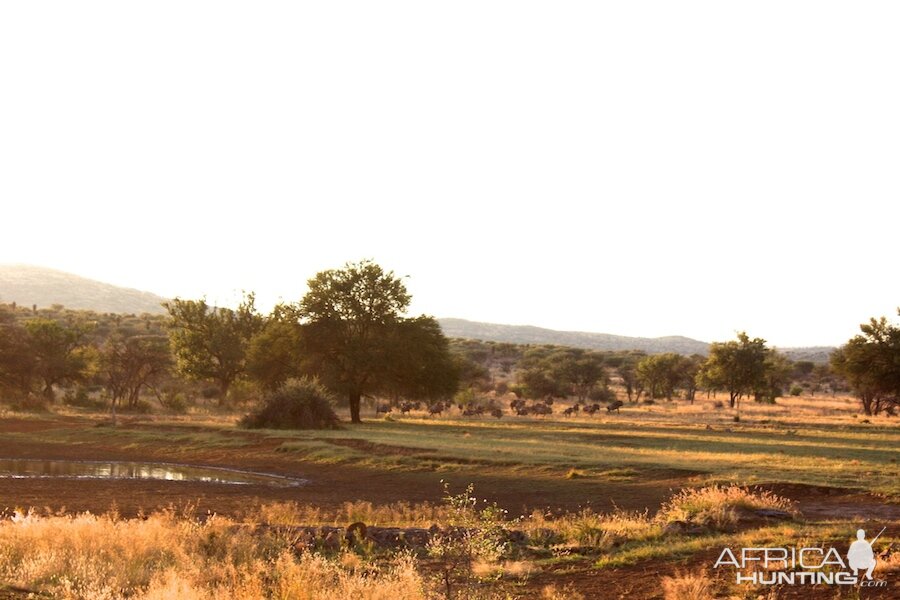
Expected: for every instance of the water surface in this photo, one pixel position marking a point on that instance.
(24, 468)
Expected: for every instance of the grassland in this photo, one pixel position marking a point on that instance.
(818, 442)
(838, 469)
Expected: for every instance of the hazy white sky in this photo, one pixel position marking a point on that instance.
(640, 168)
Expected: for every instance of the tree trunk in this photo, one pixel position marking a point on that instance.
(224, 385)
(354, 407)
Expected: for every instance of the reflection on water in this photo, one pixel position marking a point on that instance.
(20, 468)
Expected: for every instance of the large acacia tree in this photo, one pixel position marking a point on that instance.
(737, 366)
(356, 339)
(871, 365)
(211, 343)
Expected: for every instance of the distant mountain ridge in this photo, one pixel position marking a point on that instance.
(527, 334)
(27, 285)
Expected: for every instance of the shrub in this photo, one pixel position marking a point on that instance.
(602, 394)
(80, 397)
(719, 506)
(297, 404)
(688, 586)
(475, 535)
(175, 402)
(796, 390)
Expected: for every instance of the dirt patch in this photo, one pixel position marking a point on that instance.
(12, 425)
(373, 448)
(817, 502)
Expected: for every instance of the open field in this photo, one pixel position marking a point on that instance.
(837, 470)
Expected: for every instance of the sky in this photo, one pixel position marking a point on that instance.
(637, 168)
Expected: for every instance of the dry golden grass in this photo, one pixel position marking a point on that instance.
(587, 528)
(552, 592)
(397, 514)
(890, 563)
(688, 586)
(164, 556)
(719, 506)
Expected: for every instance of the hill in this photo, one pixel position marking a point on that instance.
(527, 334)
(28, 285)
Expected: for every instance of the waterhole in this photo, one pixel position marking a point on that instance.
(23, 468)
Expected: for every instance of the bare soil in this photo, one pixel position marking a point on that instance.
(329, 485)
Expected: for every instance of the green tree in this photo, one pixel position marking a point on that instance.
(777, 375)
(661, 374)
(627, 369)
(18, 366)
(211, 343)
(357, 341)
(59, 351)
(420, 365)
(562, 372)
(871, 365)
(737, 366)
(689, 372)
(276, 350)
(583, 371)
(130, 364)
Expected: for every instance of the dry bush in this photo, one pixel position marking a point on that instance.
(718, 506)
(397, 514)
(551, 592)
(587, 528)
(688, 586)
(163, 556)
(889, 563)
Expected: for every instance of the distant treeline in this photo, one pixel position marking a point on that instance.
(350, 331)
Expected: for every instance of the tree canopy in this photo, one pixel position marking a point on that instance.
(870, 363)
(737, 366)
(357, 341)
(211, 343)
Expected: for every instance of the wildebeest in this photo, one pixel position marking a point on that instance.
(405, 407)
(436, 408)
(473, 410)
(382, 409)
(615, 406)
(591, 409)
(539, 408)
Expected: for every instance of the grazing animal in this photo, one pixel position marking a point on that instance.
(436, 408)
(591, 409)
(569, 411)
(405, 407)
(496, 413)
(615, 406)
(473, 411)
(541, 409)
(382, 409)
